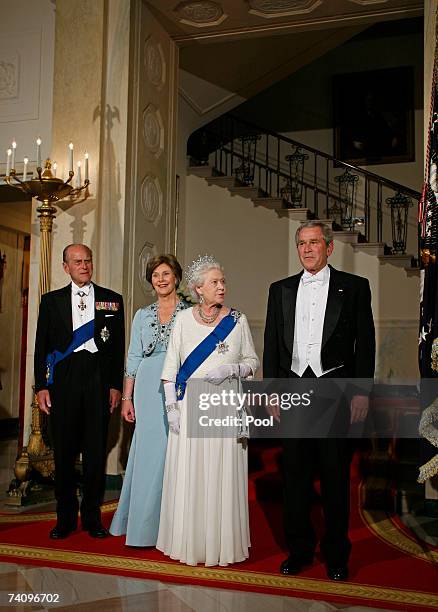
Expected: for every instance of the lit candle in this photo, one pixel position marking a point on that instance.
(8, 162)
(78, 176)
(26, 161)
(70, 156)
(14, 146)
(55, 165)
(86, 166)
(38, 143)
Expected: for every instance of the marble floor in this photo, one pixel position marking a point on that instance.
(89, 592)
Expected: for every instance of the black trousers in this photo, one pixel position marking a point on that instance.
(302, 460)
(79, 419)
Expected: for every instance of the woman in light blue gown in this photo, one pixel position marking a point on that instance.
(138, 511)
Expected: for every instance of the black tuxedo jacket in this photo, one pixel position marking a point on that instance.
(348, 337)
(55, 332)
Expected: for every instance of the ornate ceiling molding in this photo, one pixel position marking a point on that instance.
(368, 2)
(200, 13)
(282, 8)
(269, 28)
(205, 110)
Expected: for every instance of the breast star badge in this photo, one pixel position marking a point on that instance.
(222, 348)
(104, 334)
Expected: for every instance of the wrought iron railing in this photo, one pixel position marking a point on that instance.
(305, 177)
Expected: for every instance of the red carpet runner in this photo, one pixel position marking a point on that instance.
(389, 567)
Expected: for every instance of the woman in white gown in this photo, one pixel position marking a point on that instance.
(204, 508)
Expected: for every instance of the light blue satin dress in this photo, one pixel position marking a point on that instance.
(138, 511)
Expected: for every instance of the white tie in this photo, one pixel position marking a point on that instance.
(311, 278)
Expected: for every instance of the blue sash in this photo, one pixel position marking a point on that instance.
(80, 335)
(203, 350)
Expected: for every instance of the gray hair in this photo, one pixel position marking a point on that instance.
(327, 232)
(75, 244)
(197, 276)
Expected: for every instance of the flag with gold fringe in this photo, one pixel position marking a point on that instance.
(428, 338)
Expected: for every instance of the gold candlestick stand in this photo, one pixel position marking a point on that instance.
(37, 456)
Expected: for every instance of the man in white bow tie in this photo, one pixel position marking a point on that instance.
(319, 324)
(79, 353)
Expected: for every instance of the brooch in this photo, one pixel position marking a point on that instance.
(104, 334)
(236, 314)
(222, 347)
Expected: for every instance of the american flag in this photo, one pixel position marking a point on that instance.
(428, 221)
(428, 337)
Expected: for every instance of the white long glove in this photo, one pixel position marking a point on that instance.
(173, 414)
(216, 376)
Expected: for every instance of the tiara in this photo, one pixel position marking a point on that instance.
(198, 264)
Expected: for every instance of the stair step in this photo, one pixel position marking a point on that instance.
(372, 248)
(246, 191)
(401, 261)
(413, 271)
(294, 214)
(271, 203)
(223, 181)
(201, 171)
(328, 222)
(346, 236)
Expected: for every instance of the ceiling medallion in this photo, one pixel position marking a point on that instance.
(200, 13)
(282, 8)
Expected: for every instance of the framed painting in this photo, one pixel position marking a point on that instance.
(374, 116)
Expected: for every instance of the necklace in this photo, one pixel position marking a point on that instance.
(164, 329)
(211, 318)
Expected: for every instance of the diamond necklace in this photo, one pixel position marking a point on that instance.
(211, 318)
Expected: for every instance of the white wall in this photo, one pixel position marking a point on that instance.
(251, 243)
(27, 39)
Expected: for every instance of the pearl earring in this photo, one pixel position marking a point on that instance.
(201, 299)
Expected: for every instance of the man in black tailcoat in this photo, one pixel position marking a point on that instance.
(79, 355)
(319, 324)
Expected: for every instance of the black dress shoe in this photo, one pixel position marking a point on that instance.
(59, 532)
(337, 573)
(97, 531)
(294, 565)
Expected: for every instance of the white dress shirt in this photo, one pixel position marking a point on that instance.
(309, 321)
(80, 317)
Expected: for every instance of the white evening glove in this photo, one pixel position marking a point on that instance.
(173, 414)
(216, 376)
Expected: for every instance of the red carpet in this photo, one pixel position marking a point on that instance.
(389, 567)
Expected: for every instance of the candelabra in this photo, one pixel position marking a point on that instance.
(47, 189)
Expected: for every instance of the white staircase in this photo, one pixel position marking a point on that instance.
(253, 236)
